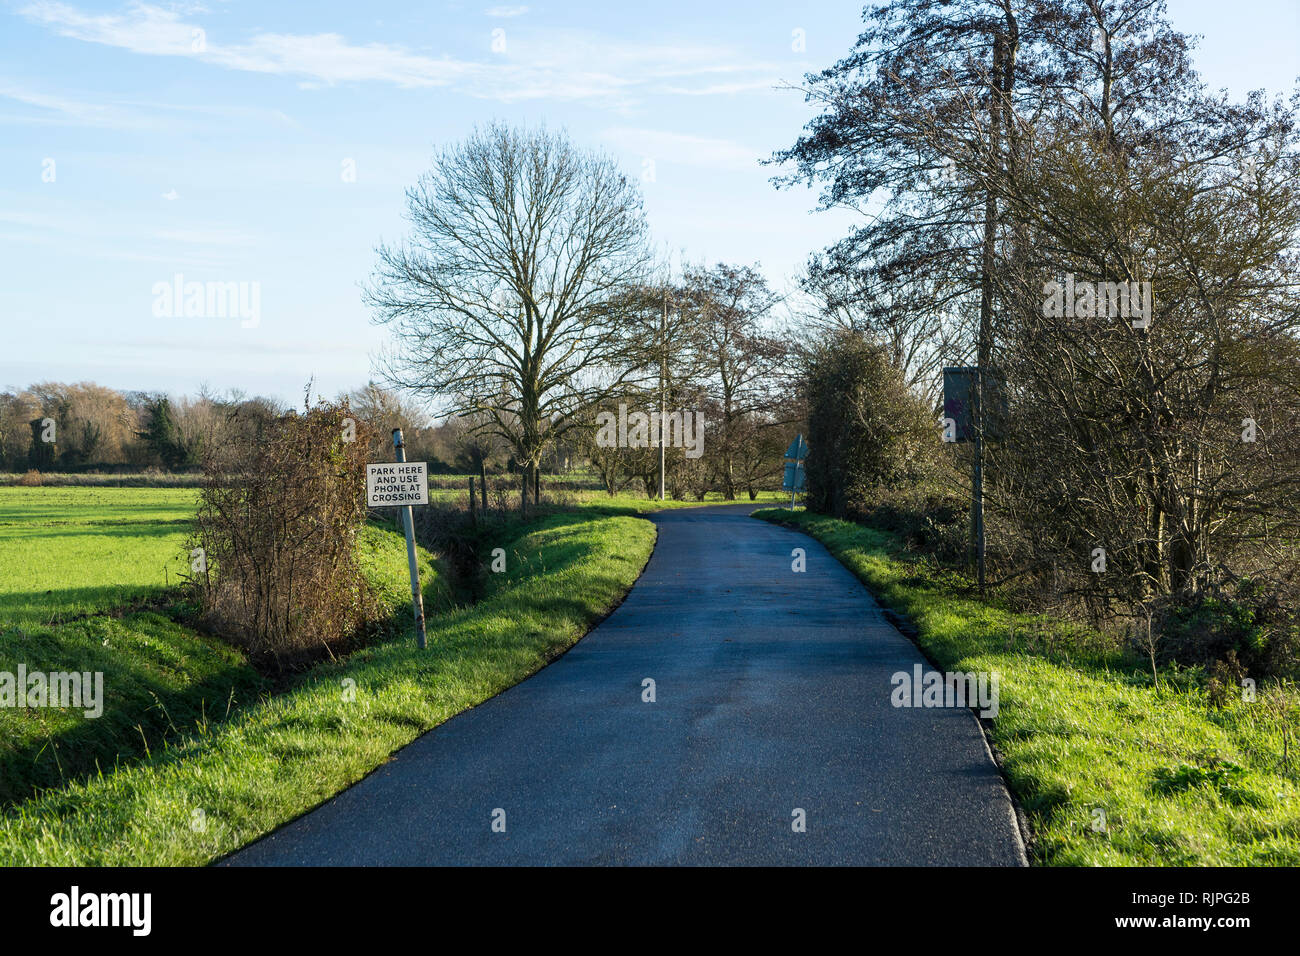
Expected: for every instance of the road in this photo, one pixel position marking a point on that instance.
(772, 695)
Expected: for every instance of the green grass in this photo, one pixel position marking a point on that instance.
(83, 586)
(67, 555)
(225, 783)
(1082, 726)
(72, 562)
(159, 678)
(68, 551)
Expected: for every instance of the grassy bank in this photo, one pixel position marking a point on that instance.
(68, 557)
(1112, 767)
(215, 789)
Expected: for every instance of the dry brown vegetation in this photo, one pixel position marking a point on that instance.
(282, 503)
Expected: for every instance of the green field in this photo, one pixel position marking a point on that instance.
(187, 721)
(68, 551)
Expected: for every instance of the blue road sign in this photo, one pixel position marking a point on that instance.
(794, 476)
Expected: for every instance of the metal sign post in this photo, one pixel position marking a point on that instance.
(401, 484)
(663, 401)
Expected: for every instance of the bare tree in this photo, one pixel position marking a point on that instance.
(509, 300)
(736, 355)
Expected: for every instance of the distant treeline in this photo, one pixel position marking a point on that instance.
(85, 427)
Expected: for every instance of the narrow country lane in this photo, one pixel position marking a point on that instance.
(773, 694)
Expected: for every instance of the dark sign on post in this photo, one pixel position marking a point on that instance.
(959, 397)
(958, 404)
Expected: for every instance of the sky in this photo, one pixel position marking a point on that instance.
(262, 149)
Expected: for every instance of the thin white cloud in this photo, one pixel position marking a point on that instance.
(326, 57)
(241, 347)
(60, 109)
(143, 28)
(564, 64)
(723, 89)
(76, 227)
(506, 12)
(112, 252)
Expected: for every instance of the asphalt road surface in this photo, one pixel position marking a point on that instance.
(772, 695)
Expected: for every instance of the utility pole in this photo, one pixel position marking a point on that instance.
(663, 377)
(977, 497)
(965, 395)
(1003, 55)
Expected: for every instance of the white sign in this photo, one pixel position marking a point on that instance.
(397, 483)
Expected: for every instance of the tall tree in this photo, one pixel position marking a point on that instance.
(163, 436)
(914, 132)
(912, 122)
(510, 297)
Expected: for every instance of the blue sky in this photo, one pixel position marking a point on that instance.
(139, 141)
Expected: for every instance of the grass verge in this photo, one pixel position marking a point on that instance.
(217, 788)
(1112, 766)
(84, 577)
